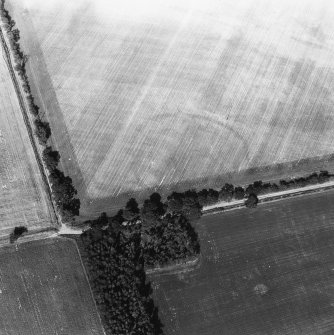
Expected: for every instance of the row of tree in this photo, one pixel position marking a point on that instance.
(62, 187)
(230, 192)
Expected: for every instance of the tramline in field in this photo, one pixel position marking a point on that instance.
(180, 91)
(264, 271)
(24, 200)
(44, 290)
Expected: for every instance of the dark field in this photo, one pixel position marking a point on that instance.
(44, 291)
(285, 248)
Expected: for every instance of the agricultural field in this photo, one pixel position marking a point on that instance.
(265, 271)
(23, 197)
(44, 290)
(158, 94)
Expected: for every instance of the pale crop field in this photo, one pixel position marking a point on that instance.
(23, 196)
(44, 291)
(149, 94)
(267, 271)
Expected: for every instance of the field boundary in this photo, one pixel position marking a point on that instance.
(270, 197)
(26, 119)
(178, 267)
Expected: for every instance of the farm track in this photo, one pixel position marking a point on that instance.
(218, 208)
(8, 60)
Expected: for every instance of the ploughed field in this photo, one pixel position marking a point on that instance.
(23, 196)
(266, 271)
(44, 290)
(152, 94)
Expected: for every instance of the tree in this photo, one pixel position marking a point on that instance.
(152, 210)
(203, 197)
(274, 188)
(131, 210)
(251, 201)
(323, 176)
(16, 34)
(191, 208)
(226, 193)
(175, 202)
(33, 108)
(62, 187)
(186, 203)
(172, 238)
(257, 187)
(71, 208)
(239, 193)
(312, 179)
(63, 192)
(213, 196)
(51, 158)
(42, 131)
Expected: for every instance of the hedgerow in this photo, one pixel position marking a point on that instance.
(230, 192)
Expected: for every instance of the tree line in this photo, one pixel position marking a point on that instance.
(62, 188)
(230, 192)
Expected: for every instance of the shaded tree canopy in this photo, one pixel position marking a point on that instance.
(63, 193)
(42, 131)
(175, 202)
(213, 196)
(152, 210)
(170, 239)
(51, 158)
(63, 188)
(239, 193)
(226, 192)
(251, 201)
(186, 203)
(131, 210)
(203, 196)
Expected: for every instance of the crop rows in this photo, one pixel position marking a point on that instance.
(156, 101)
(44, 290)
(264, 271)
(24, 199)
